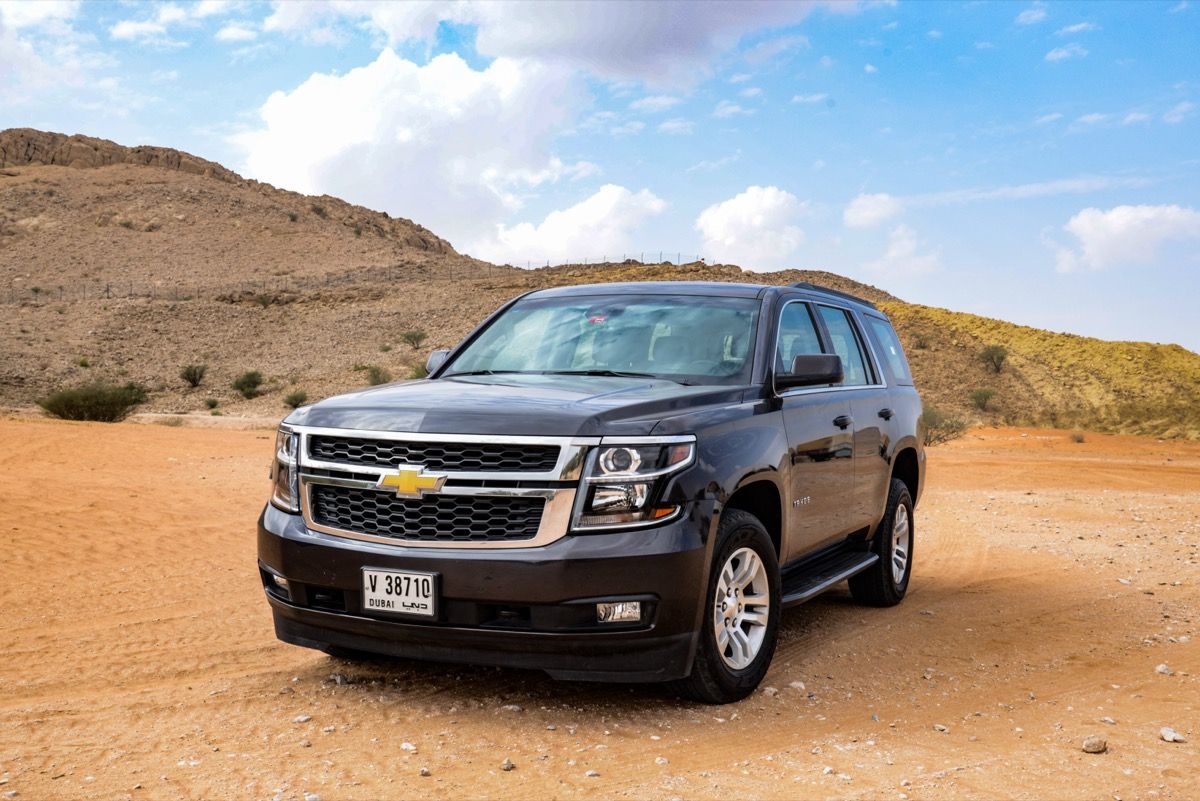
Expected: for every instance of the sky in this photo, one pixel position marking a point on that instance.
(1036, 162)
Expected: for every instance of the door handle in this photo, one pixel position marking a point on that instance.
(886, 414)
(843, 421)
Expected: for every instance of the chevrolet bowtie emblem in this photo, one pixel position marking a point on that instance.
(411, 481)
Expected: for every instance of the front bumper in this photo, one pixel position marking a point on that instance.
(524, 608)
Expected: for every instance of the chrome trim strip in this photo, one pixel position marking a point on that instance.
(568, 468)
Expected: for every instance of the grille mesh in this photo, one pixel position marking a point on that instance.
(464, 456)
(434, 518)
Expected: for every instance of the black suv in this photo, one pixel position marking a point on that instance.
(621, 482)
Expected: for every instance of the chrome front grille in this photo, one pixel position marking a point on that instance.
(431, 519)
(462, 456)
(499, 491)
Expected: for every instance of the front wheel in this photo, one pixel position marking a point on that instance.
(741, 614)
(886, 582)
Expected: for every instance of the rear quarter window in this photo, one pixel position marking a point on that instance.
(890, 352)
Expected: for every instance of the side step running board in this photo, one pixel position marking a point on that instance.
(803, 586)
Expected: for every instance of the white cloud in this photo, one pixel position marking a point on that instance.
(453, 147)
(715, 164)
(867, 211)
(727, 108)
(16, 14)
(1067, 51)
(631, 127)
(212, 8)
(235, 32)
(891, 26)
(667, 45)
(826, 62)
(601, 225)
(155, 30)
(820, 97)
(1135, 117)
(1180, 112)
(818, 165)
(1124, 235)
(756, 229)
(1031, 16)
(870, 69)
(654, 103)
(984, 46)
(1078, 27)
(1091, 119)
(1045, 119)
(934, 34)
(765, 51)
(1178, 7)
(740, 77)
(903, 256)
(751, 91)
(677, 126)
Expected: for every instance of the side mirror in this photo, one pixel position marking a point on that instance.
(811, 370)
(436, 360)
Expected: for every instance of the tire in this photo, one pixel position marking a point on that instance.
(886, 582)
(729, 672)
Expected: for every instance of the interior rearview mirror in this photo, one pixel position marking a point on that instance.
(436, 360)
(810, 370)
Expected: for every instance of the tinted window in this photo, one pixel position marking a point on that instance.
(797, 336)
(846, 344)
(694, 339)
(889, 347)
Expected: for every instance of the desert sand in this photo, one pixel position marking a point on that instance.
(1052, 580)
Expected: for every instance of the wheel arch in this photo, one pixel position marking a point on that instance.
(760, 496)
(906, 466)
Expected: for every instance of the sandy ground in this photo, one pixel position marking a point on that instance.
(1052, 577)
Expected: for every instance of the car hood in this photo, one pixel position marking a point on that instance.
(514, 404)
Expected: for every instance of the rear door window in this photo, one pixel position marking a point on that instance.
(888, 346)
(847, 345)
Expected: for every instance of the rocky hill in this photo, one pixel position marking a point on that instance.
(127, 263)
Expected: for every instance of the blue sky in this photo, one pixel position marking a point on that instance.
(1032, 161)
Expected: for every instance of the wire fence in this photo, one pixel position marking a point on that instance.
(391, 275)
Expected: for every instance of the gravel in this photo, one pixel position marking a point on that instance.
(1170, 735)
(1094, 745)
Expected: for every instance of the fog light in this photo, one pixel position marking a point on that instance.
(619, 612)
(280, 582)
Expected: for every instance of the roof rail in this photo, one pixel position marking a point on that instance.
(814, 288)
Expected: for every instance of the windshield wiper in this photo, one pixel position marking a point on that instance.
(489, 372)
(613, 374)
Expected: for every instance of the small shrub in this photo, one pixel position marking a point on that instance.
(215, 413)
(193, 374)
(376, 375)
(248, 383)
(414, 338)
(319, 211)
(293, 216)
(981, 397)
(264, 300)
(384, 348)
(105, 403)
(1077, 438)
(171, 422)
(211, 403)
(941, 427)
(358, 230)
(418, 371)
(994, 356)
(126, 223)
(82, 361)
(920, 342)
(296, 399)
(36, 290)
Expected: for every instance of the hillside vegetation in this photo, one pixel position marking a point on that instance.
(127, 264)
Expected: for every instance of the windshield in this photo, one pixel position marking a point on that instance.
(685, 338)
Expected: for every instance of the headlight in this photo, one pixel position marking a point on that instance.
(285, 473)
(623, 482)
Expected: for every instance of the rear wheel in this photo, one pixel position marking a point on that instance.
(741, 614)
(886, 582)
